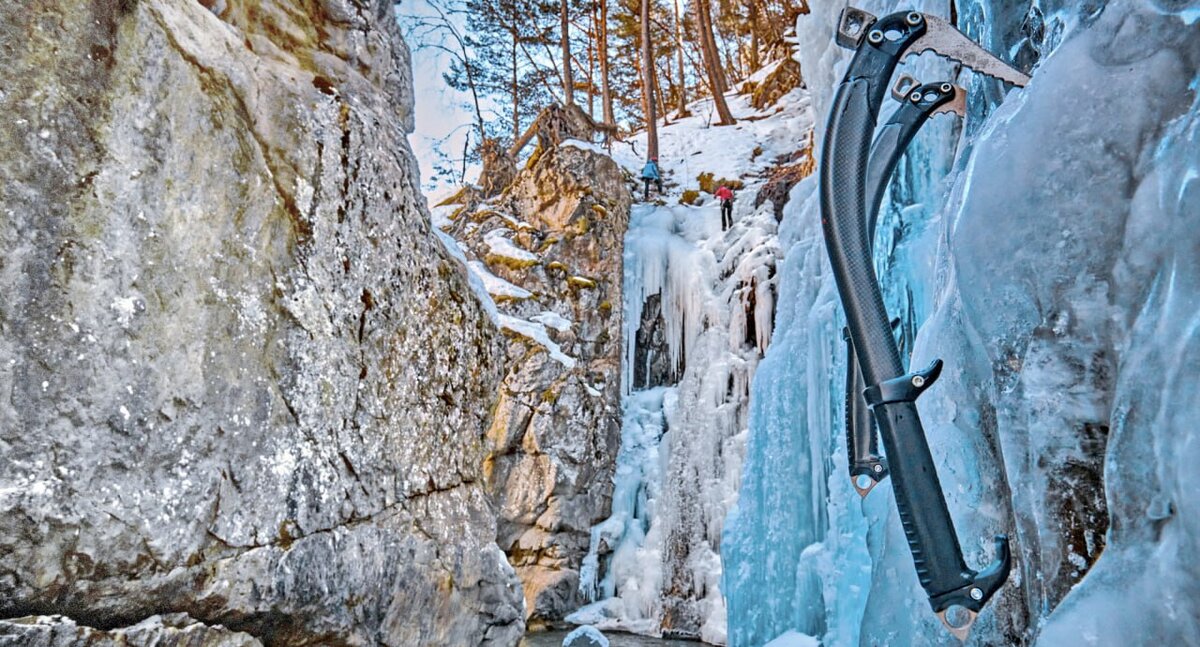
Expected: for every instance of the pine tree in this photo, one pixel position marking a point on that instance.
(606, 100)
(648, 97)
(506, 65)
(712, 63)
(568, 79)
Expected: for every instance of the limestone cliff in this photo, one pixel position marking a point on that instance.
(222, 392)
(549, 250)
(156, 631)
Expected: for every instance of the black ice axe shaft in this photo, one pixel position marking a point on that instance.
(892, 394)
(917, 104)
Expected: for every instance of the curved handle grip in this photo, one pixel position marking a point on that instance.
(928, 527)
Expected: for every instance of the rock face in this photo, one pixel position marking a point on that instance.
(222, 394)
(156, 631)
(549, 248)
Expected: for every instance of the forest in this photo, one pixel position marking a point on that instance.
(512, 58)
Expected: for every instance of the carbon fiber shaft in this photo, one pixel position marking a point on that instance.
(923, 512)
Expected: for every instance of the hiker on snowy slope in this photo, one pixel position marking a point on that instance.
(726, 197)
(650, 174)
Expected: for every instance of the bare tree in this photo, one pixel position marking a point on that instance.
(567, 79)
(681, 98)
(712, 63)
(648, 98)
(429, 32)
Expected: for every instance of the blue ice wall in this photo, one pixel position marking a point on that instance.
(1046, 250)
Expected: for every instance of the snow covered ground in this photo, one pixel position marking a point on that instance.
(682, 444)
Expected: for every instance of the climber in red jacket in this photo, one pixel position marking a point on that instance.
(726, 197)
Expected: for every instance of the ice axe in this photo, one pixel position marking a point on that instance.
(918, 103)
(880, 44)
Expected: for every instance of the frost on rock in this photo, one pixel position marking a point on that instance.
(171, 630)
(1043, 259)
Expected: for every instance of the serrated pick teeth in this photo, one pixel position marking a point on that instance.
(956, 106)
(946, 41)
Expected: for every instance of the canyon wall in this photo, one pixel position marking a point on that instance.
(243, 379)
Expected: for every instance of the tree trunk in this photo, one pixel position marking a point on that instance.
(712, 63)
(658, 92)
(735, 63)
(754, 44)
(602, 45)
(568, 81)
(591, 76)
(516, 97)
(709, 42)
(648, 85)
(681, 99)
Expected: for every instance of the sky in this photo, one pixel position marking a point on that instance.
(440, 110)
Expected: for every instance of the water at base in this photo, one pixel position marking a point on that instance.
(615, 639)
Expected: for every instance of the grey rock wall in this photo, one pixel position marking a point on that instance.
(555, 430)
(239, 377)
(175, 630)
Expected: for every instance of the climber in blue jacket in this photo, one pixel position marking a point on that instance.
(650, 173)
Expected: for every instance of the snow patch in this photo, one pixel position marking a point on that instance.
(794, 639)
(500, 245)
(495, 285)
(585, 636)
(126, 308)
(553, 320)
(537, 332)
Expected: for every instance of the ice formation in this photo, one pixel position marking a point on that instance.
(585, 636)
(1048, 258)
(698, 305)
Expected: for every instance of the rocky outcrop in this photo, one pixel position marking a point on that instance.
(550, 250)
(782, 79)
(787, 173)
(174, 630)
(222, 392)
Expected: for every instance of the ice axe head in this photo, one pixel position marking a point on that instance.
(904, 34)
(935, 98)
(893, 34)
